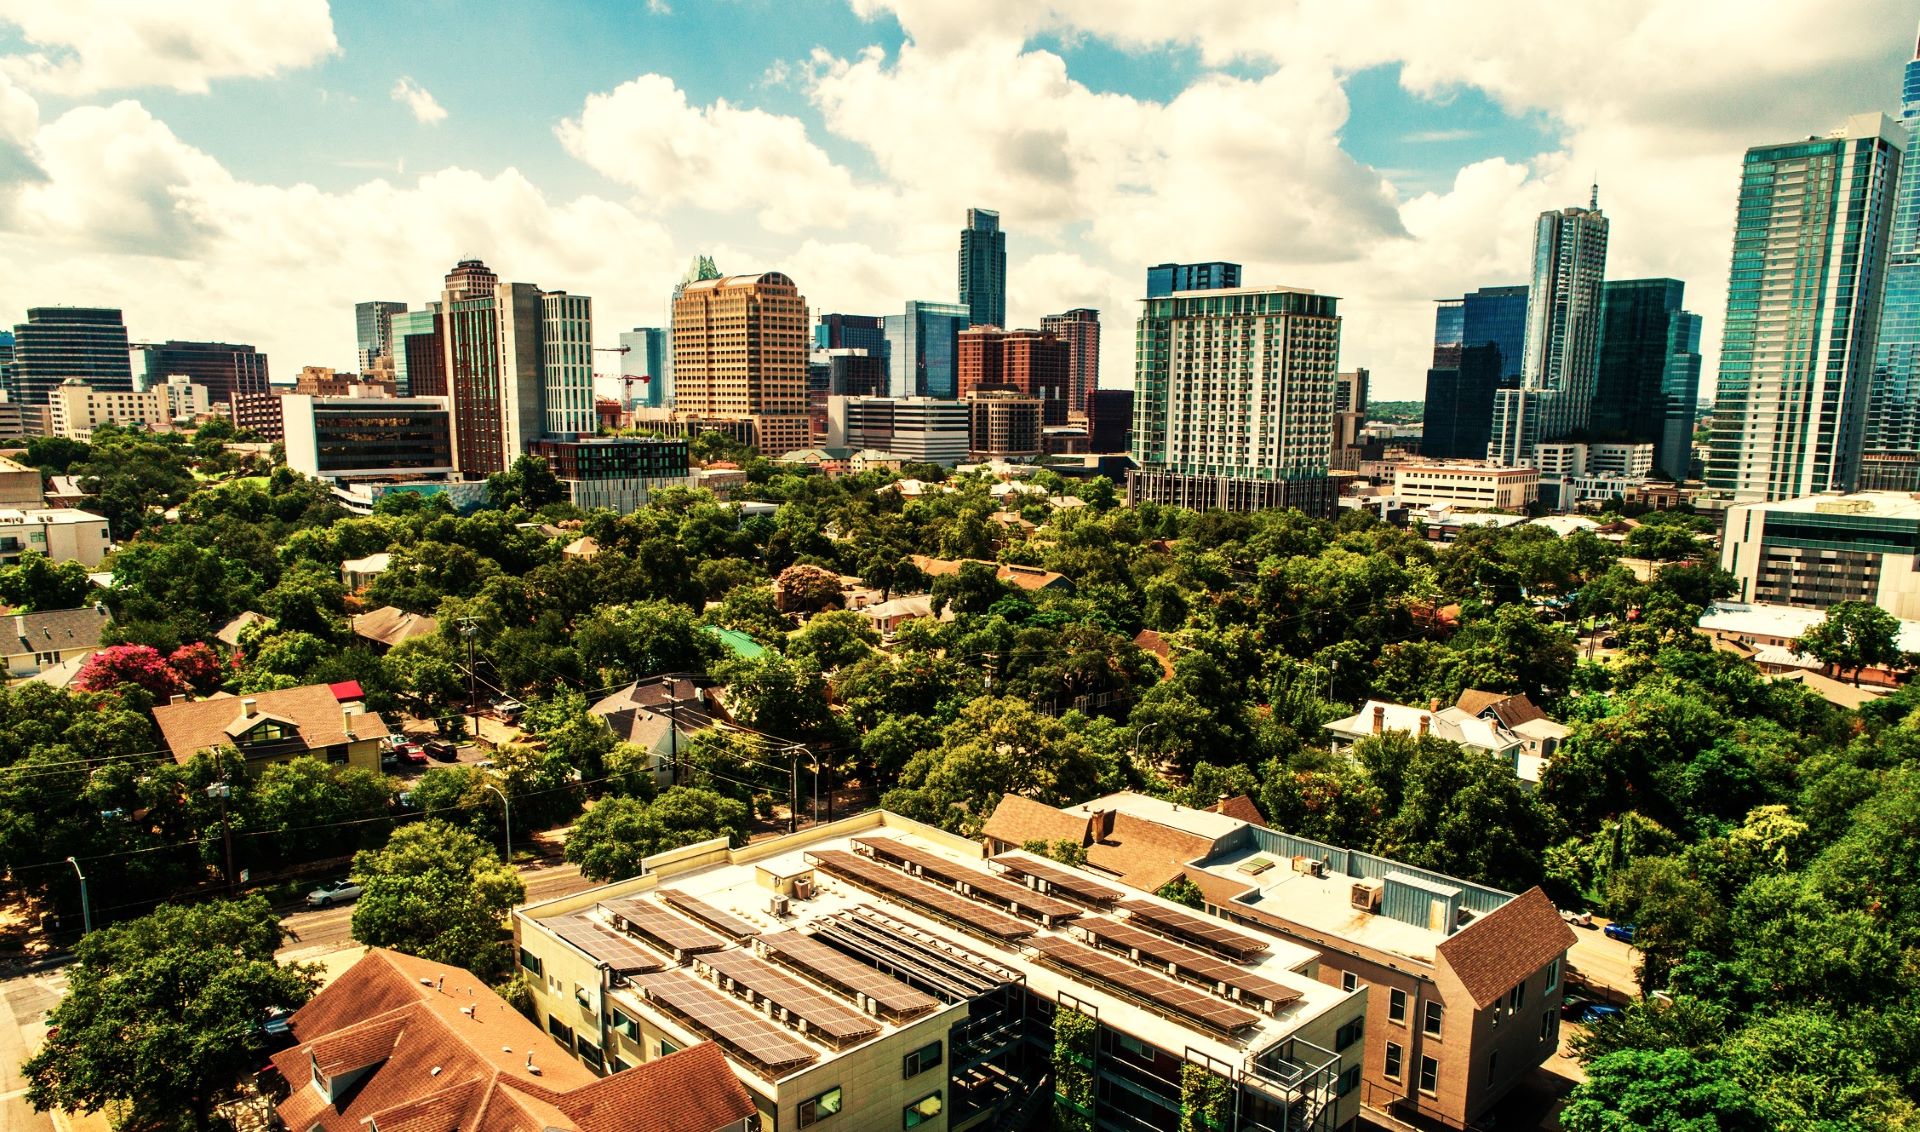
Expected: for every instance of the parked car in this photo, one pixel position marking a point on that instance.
(278, 1030)
(1596, 1012)
(1578, 919)
(413, 755)
(334, 892)
(508, 709)
(442, 751)
(1621, 932)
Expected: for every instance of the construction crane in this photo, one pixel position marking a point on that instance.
(626, 380)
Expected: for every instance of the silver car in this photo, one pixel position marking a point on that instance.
(334, 892)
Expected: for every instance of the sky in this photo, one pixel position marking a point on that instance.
(246, 170)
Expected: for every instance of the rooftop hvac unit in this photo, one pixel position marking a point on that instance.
(803, 888)
(778, 906)
(1367, 893)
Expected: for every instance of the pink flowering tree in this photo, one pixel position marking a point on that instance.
(140, 665)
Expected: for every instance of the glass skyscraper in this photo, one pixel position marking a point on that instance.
(373, 331)
(57, 343)
(1890, 459)
(1681, 398)
(1803, 307)
(922, 348)
(1477, 341)
(1560, 360)
(643, 368)
(418, 369)
(566, 364)
(983, 269)
(1164, 279)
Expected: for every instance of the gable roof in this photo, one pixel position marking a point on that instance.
(56, 630)
(677, 1092)
(1143, 853)
(1511, 709)
(1507, 945)
(312, 711)
(1242, 807)
(229, 633)
(1018, 820)
(389, 625)
(1025, 577)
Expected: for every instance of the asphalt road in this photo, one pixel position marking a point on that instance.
(331, 928)
(1605, 964)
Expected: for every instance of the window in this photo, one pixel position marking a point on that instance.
(1349, 1080)
(1349, 1033)
(624, 1025)
(1549, 1024)
(583, 996)
(1348, 980)
(920, 1060)
(921, 1111)
(1397, 1006)
(1429, 1074)
(667, 1047)
(531, 962)
(1516, 998)
(561, 1032)
(1553, 974)
(1434, 1011)
(815, 1109)
(1392, 1066)
(590, 1053)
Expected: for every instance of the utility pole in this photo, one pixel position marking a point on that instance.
(506, 811)
(223, 791)
(673, 732)
(793, 789)
(86, 909)
(468, 631)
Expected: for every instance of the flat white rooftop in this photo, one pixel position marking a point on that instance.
(1875, 504)
(1324, 905)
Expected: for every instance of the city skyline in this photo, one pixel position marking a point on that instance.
(249, 179)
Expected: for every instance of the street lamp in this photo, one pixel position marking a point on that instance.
(506, 809)
(86, 909)
(223, 791)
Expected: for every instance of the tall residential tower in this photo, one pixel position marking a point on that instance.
(983, 268)
(1080, 329)
(56, 343)
(1891, 451)
(1560, 362)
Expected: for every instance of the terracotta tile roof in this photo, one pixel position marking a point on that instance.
(678, 1093)
(1145, 854)
(389, 625)
(1243, 808)
(204, 724)
(1025, 577)
(1018, 820)
(1506, 945)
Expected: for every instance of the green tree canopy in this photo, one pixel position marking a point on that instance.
(437, 892)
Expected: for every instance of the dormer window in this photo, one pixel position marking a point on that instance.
(267, 731)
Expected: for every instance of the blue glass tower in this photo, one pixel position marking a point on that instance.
(1477, 340)
(1888, 453)
(923, 349)
(1164, 279)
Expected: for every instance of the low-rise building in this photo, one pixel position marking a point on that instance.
(64, 534)
(271, 727)
(1821, 550)
(1377, 717)
(20, 486)
(258, 413)
(390, 625)
(345, 438)
(31, 643)
(1770, 635)
(1466, 485)
(619, 473)
(884, 974)
(399, 1042)
(924, 430)
(75, 409)
(1003, 425)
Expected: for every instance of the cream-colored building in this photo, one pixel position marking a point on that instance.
(61, 533)
(1821, 550)
(76, 408)
(740, 348)
(1466, 485)
(20, 485)
(877, 974)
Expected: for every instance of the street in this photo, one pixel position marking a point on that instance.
(1604, 964)
(330, 929)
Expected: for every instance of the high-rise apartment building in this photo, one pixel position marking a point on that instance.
(1233, 399)
(8, 375)
(566, 360)
(851, 332)
(222, 368)
(1165, 279)
(373, 333)
(1560, 361)
(1648, 385)
(1478, 340)
(1803, 307)
(1349, 417)
(419, 354)
(1110, 420)
(1079, 328)
(57, 343)
(1892, 442)
(921, 346)
(983, 268)
(643, 368)
(740, 350)
(492, 335)
(1027, 361)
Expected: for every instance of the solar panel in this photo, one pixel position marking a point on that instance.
(622, 955)
(766, 1044)
(1175, 998)
(897, 885)
(1194, 929)
(988, 887)
(1194, 964)
(655, 923)
(839, 1023)
(895, 999)
(719, 919)
(1060, 879)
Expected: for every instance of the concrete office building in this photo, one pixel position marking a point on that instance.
(1003, 424)
(1559, 368)
(1032, 362)
(419, 353)
(1820, 550)
(63, 534)
(373, 334)
(1803, 306)
(1079, 328)
(345, 438)
(1892, 438)
(1165, 279)
(619, 473)
(221, 368)
(883, 974)
(983, 268)
(566, 362)
(1233, 399)
(76, 409)
(59, 343)
(643, 368)
(740, 350)
(1573, 472)
(922, 344)
(258, 413)
(491, 337)
(1478, 342)
(1110, 420)
(1349, 418)
(920, 430)
(1477, 486)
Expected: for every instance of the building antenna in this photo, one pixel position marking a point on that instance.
(1594, 203)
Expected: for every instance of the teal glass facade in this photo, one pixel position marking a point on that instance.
(1893, 399)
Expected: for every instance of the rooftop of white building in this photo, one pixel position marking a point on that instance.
(1877, 504)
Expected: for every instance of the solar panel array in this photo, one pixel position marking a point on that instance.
(990, 888)
(933, 864)
(1205, 931)
(1175, 998)
(832, 1019)
(1060, 879)
(719, 919)
(766, 1044)
(656, 923)
(899, 886)
(895, 999)
(1194, 964)
(622, 955)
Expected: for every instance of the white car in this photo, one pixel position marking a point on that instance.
(334, 892)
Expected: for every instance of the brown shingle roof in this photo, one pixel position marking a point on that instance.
(1506, 945)
(1025, 577)
(1018, 820)
(1511, 709)
(389, 625)
(56, 630)
(1241, 808)
(1145, 854)
(677, 1092)
(205, 724)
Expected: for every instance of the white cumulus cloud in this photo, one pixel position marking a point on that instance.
(83, 47)
(426, 109)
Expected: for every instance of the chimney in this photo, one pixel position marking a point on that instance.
(1433, 704)
(1379, 718)
(1425, 720)
(1102, 824)
(246, 707)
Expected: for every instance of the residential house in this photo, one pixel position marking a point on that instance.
(660, 714)
(229, 634)
(1029, 578)
(270, 727)
(1518, 714)
(35, 642)
(389, 625)
(887, 616)
(404, 1043)
(358, 573)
